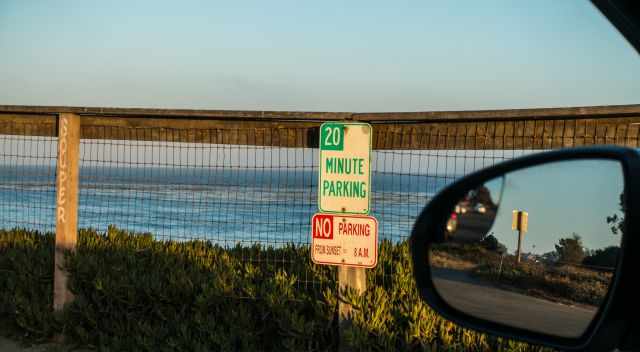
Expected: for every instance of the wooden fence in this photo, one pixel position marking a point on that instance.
(526, 129)
(490, 129)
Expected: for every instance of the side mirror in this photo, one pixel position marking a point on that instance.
(535, 249)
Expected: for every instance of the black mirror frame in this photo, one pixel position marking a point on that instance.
(611, 323)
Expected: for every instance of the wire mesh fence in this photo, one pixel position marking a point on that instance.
(27, 178)
(242, 185)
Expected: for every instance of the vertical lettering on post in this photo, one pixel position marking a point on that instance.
(62, 169)
(66, 203)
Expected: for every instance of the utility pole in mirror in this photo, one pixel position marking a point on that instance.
(520, 222)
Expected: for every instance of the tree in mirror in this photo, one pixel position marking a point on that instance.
(535, 248)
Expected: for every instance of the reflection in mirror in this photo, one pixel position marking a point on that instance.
(535, 248)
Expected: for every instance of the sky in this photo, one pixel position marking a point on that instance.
(561, 198)
(322, 55)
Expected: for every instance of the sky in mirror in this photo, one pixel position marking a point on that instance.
(324, 55)
(561, 198)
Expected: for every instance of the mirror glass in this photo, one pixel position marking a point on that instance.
(535, 248)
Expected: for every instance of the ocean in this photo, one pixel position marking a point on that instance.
(227, 206)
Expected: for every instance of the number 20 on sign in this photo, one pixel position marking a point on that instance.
(344, 185)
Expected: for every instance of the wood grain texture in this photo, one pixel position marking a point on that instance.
(503, 114)
(66, 203)
(490, 129)
(356, 279)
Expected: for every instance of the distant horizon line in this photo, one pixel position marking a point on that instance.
(227, 168)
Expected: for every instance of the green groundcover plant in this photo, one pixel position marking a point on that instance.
(135, 293)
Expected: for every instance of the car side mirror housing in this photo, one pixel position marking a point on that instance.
(536, 248)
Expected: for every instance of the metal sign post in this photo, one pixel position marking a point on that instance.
(520, 222)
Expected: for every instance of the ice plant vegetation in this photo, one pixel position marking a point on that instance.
(135, 293)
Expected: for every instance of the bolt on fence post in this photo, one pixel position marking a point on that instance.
(67, 173)
(349, 277)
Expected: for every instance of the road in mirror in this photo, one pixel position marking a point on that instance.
(535, 248)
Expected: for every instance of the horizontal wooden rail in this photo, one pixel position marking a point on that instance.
(607, 111)
(487, 129)
(508, 114)
(177, 113)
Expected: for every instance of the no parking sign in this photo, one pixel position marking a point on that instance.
(350, 240)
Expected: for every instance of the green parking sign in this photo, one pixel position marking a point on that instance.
(344, 184)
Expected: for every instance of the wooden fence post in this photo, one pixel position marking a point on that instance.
(349, 277)
(66, 203)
